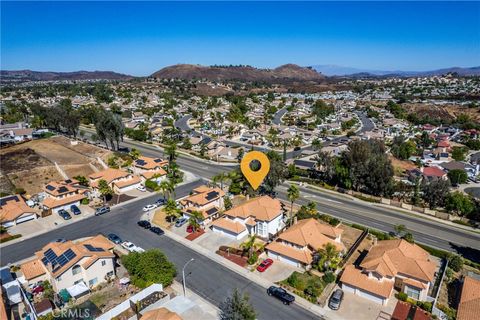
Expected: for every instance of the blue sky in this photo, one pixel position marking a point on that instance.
(141, 37)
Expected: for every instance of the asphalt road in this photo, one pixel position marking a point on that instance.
(277, 117)
(205, 277)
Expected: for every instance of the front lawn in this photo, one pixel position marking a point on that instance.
(307, 285)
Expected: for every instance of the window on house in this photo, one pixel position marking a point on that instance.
(104, 263)
(76, 269)
(78, 281)
(413, 293)
(92, 282)
(110, 274)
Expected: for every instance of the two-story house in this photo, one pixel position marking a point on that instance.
(119, 180)
(262, 216)
(298, 245)
(66, 264)
(14, 210)
(206, 200)
(150, 168)
(391, 264)
(62, 195)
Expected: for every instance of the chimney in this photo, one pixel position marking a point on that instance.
(421, 169)
(295, 219)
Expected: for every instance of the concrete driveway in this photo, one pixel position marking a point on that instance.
(278, 271)
(359, 308)
(212, 240)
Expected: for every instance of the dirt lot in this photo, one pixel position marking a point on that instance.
(400, 167)
(32, 164)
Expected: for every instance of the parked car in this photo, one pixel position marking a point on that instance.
(149, 207)
(102, 210)
(160, 202)
(336, 299)
(141, 188)
(144, 224)
(281, 294)
(114, 238)
(37, 290)
(180, 222)
(60, 240)
(264, 265)
(157, 230)
(131, 247)
(75, 210)
(64, 214)
(190, 229)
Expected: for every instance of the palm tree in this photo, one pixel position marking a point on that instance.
(220, 178)
(195, 216)
(250, 245)
(171, 210)
(330, 258)
(293, 193)
(135, 154)
(104, 189)
(164, 187)
(171, 152)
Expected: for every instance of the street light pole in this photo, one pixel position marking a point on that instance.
(183, 276)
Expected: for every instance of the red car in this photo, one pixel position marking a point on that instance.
(264, 265)
(190, 229)
(37, 290)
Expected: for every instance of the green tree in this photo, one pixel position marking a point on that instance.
(135, 154)
(459, 203)
(171, 210)
(164, 188)
(455, 262)
(277, 172)
(227, 202)
(149, 267)
(82, 180)
(435, 192)
(458, 153)
(104, 189)
(457, 176)
(400, 229)
(237, 307)
(195, 217)
(250, 245)
(329, 257)
(220, 178)
(241, 152)
(293, 193)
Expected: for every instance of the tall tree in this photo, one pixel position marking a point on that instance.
(435, 192)
(329, 257)
(293, 193)
(457, 176)
(277, 173)
(237, 307)
(459, 203)
(104, 189)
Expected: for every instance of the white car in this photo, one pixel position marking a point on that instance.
(149, 207)
(131, 247)
(141, 188)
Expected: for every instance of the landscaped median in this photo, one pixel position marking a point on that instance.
(308, 285)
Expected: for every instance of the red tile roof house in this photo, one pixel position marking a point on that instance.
(469, 304)
(148, 168)
(391, 264)
(298, 244)
(14, 210)
(208, 201)
(119, 180)
(62, 195)
(262, 216)
(427, 173)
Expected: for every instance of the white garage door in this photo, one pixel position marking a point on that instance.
(224, 232)
(8, 224)
(369, 296)
(287, 260)
(26, 218)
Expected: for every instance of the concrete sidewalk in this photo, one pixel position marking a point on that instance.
(316, 309)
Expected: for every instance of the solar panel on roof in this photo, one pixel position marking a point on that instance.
(212, 195)
(50, 255)
(140, 162)
(3, 201)
(92, 248)
(45, 261)
(62, 260)
(51, 188)
(212, 211)
(69, 254)
(62, 189)
(157, 160)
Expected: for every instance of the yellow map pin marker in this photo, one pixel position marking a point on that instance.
(255, 178)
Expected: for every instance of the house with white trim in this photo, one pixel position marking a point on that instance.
(120, 181)
(262, 216)
(391, 264)
(150, 168)
(63, 195)
(206, 200)
(14, 210)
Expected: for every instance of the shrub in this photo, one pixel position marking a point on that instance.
(85, 201)
(15, 236)
(152, 185)
(253, 259)
(402, 296)
(427, 306)
(329, 277)
(20, 191)
(312, 291)
(450, 313)
(293, 280)
(455, 262)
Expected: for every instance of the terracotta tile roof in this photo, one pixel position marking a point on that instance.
(108, 175)
(33, 269)
(406, 311)
(81, 252)
(355, 277)
(57, 188)
(13, 207)
(203, 195)
(433, 172)
(391, 257)
(310, 232)
(469, 305)
(3, 310)
(127, 182)
(160, 314)
(415, 283)
(302, 255)
(148, 163)
(250, 221)
(51, 202)
(263, 208)
(229, 225)
(149, 174)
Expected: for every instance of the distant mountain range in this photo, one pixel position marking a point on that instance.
(28, 75)
(333, 70)
(287, 72)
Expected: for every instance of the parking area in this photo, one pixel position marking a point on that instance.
(50, 222)
(356, 307)
(278, 271)
(181, 231)
(213, 240)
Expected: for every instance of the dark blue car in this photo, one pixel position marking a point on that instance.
(64, 214)
(75, 210)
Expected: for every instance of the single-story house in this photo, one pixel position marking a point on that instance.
(14, 210)
(119, 180)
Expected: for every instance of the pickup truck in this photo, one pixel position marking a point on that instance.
(131, 247)
(281, 294)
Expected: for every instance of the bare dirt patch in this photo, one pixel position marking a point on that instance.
(400, 166)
